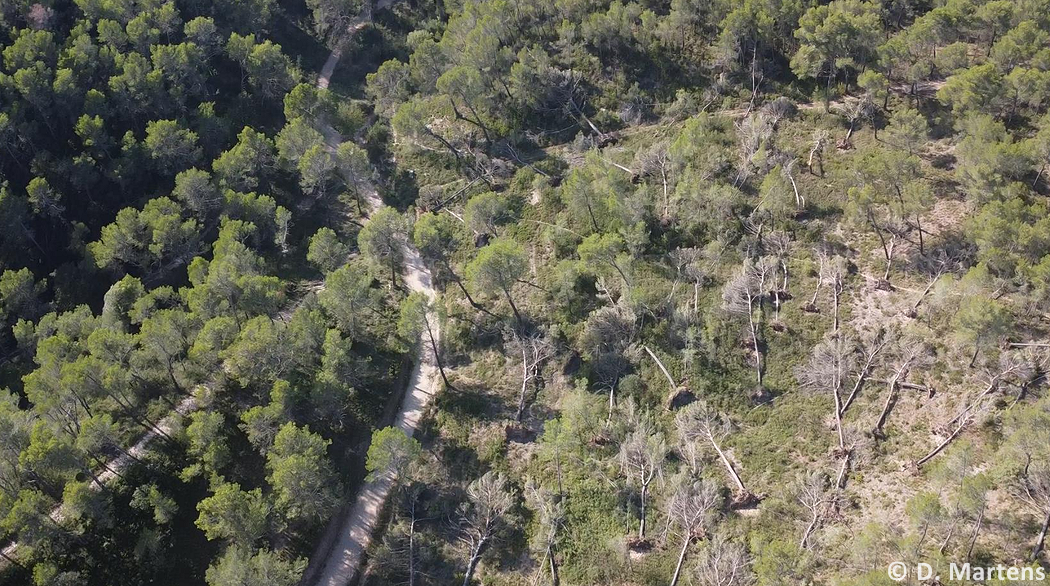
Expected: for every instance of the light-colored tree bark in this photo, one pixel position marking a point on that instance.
(550, 514)
(818, 499)
(742, 296)
(910, 353)
(828, 367)
(690, 511)
(723, 563)
(697, 424)
(489, 498)
(642, 456)
(535, 349)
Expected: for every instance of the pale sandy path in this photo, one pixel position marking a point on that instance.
(325, 77)
(344, 558)
(340, 564)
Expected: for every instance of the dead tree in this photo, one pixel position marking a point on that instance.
(826, 372)
(788, 164)
(848, 454)
(697, 424)
(819, 500)
(570, 94)
(822, 259)
(695, 265)
(691, 447)
(723, 563)
(779, 244)
(657, 162)
(816, 152)
(413, 518)
(641, 457)
(489, 498)
(1033, 489)
(550, 514)
(778, 110)
(757, 75)
(608, 336)
(662, 368)
(831, 364)
(788, 169)
(743, 296)
(914, 311)
(870, 349)
(941, 265)
(690, 511)
(683, 260)
(960, 422)
(752, 132)
(535, 349)
(853, 110)
(401, 537)
(837, 272)
(977, 488)
(1013, 368)
(911, 353)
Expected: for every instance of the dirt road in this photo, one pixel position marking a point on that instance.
(340, 564)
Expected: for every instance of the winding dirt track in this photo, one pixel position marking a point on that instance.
(339, 565)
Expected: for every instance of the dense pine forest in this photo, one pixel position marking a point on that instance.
(502, 292)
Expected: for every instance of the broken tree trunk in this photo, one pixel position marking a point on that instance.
(940, 447)
(660, 364)
(840, 482)
(869, 362)
(976, 532)
(1041, 539)
(925, 292)
(524, 384)
(729, 465)
(963, 419)
(681, 560)
(804, 543)
(891, 399)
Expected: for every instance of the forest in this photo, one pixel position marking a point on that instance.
(504, 292)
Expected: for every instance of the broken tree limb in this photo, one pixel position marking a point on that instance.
(940, 447)
(891, 398)
(869, 362)
(674, 386)
(844, 469)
